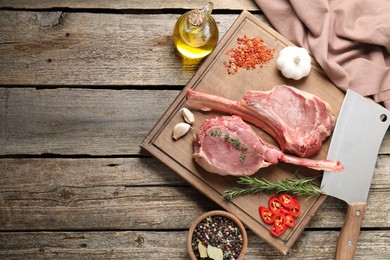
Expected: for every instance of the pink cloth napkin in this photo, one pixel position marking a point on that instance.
(349, 39)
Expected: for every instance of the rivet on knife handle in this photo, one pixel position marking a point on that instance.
(349, 235)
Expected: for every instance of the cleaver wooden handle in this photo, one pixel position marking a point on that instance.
(349, 235)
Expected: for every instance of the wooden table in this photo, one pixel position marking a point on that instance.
(82, 84)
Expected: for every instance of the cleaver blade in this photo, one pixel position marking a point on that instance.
(356, 139)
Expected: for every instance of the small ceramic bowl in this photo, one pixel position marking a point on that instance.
(212, 214)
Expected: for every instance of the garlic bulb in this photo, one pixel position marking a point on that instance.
(180, 130)
(294, 62)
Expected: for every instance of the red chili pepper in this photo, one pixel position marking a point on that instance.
(287, 201)
(279, 226)
(266, 215)
(290, 221)
(274, 204)
(296, 210)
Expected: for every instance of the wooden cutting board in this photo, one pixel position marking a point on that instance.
(212, 77)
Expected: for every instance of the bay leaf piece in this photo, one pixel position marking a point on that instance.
(202, 250)
(214, 252)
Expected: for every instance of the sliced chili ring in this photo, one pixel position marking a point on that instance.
(289, 219)
(279, 219)
(277, 231)
(279, 226)
(274, 204)
(285, 211)
(287, 201)
(295, 199)
(266, 215)
(296, 210)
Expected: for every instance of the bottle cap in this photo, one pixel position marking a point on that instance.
(196, 17)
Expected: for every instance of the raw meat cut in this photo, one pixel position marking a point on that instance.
(228, 146)
(299, 121)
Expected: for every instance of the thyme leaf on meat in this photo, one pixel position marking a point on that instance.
(235, 142)
(215, 133)
(301, 186)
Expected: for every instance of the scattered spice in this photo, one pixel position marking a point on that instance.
(219, 232)
(250, 52)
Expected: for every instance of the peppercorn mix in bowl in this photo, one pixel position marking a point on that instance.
(217, 235)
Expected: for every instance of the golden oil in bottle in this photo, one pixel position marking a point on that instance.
(195, 34)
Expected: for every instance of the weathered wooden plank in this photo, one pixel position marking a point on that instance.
(82, 121)
(134, 193)
(61, 48)
(78, 121)
(105, 207)
(37, 174)
(171, 245)
(132, 4)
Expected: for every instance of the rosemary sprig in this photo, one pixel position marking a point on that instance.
(301, 186)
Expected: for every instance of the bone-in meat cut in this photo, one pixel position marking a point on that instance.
(227, 145)
(297, 120)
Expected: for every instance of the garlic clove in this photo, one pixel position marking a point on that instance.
(180, 130)
(187, 115)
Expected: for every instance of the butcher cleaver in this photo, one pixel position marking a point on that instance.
(358, 134)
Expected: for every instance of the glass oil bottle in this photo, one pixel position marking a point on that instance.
(195, 34)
